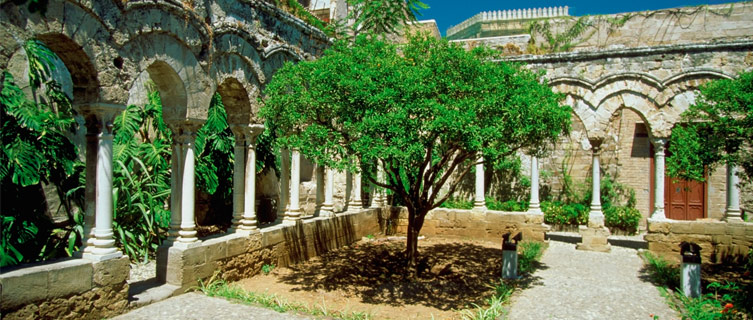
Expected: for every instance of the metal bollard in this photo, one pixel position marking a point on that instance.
(510, 255)
(690, 278)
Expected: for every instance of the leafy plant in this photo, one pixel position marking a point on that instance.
(457, 203)
(35, 150)
(502, 293)
(530, 253)
(509, 205)
(564, 213)
(661, 271)
(622, 217)
(267, 268)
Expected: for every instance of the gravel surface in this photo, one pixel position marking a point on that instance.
(143, 271)
(574, 284)
(198, 306)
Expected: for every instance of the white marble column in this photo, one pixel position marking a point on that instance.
(328, 207)
(534, 205)
(732, 213)
(355, 201)
(102, 115)
(90, 192)
(248, 220)
(319, 188)
(187, 233)
(595, 216)
(282, 206)
(479, 202)
(379, 197)
(176, 185)
(294, 210)
(239, 170)
(659, 147)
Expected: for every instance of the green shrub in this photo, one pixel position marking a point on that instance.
(564, 213)
(661, 271)
(457, 203)
(529, 252)
(509, 205)
(622, 217)
(267, 268)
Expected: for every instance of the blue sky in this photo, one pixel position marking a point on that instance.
(448, 13)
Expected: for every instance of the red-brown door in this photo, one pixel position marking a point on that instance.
(683, 199)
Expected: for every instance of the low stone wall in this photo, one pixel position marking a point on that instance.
(69, 289)
(237, 256)
(720, 241)
(487, 224)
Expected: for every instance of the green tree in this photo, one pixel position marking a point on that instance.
(383, 16)
(424, 112)
(718, 128)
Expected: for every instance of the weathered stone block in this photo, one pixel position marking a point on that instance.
(111, 272)
(70, 279)
(660, 227)
(192, 256)
(272, 237)
(23, 286)
(680, 227)
(215, 251)
(714, 228)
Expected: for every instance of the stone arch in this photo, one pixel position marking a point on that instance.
(235, 97)
(185, 88)
(275, 59)
(83, 73)
(142, 17)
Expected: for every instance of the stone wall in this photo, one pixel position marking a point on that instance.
(720, 241)
(723, 22)
(471, 224)
(68, 289)
(236, 256)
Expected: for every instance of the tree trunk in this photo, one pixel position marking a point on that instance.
(415, 222)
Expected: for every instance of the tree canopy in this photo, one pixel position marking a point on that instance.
(717, 128)
(425, 112)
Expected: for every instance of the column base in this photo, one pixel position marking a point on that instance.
(658, 215)
(535, 210)
(180, 244)
(733, 216)
(594, 239)
(326, 214)
(101, 257)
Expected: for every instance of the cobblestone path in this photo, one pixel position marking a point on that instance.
(574, 284)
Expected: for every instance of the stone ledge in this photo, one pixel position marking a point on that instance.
(47, 281)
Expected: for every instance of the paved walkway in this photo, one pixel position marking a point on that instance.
(574, 284)
(196, 306)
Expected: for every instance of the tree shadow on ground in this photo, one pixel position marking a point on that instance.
(451, 275)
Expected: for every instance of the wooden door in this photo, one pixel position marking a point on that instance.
(683, 199)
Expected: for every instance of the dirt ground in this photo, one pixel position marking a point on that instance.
(367, 277)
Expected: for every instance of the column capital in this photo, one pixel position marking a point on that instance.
(99, 116)
(596, 144)
(187, 126)
(659, 143)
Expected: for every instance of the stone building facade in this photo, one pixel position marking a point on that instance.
(628, 78)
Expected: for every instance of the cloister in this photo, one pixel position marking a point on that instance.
(191, 50)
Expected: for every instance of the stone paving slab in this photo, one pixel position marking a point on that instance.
(574, 284)
(197, 306)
